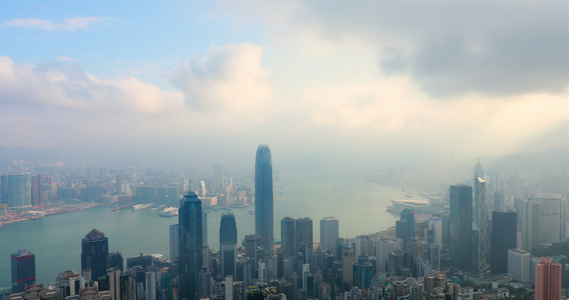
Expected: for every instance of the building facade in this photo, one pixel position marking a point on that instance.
(23, 270)
(190, 220)
(228, 245)
(329, 232)
(547, 280)
(461, 226)
(264, 197)
(504, 234)
(95, 254)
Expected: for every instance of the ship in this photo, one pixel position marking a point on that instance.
(142, 206)
(169, 212)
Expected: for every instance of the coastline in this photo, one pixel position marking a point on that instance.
(10, 218)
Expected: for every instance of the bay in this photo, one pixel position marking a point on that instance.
(359, 205)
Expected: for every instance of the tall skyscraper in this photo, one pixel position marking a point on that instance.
(405, 227)
(304, 232)
(23, 270)
(547, 280)
(436, 224)
(552, 219)
(461, 226)
(530, 224)
(190, 220)
(95, 254)
(228, 245)
(480, 222)
(264, 197)
(329, 232)
(288, 237)
(19, 191)
(503, 238)
(37, 190)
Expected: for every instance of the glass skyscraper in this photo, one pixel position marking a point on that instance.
(18, 191)
(504, 231)
(264, 197)
(228, 245)
(461, 226)
(23, 270)
(95, 254)
(190, 229)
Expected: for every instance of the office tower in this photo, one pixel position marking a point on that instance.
(95, 254)
(436, 224)
(288, 237)
(348, 259)
(143, 261)
(23, 270)
(205, 289)
(552, 219)
(382, 249)
(264, 197)
(304, 232)
(503, 238)
(461, 226)
(499, 200)
(530, 223)
(228, 245)
(519, 264)
(116, 261)
(405, 227)
(218, 180)
(364, 244)
(547, 280)
(252, 242)
(480, 223)
(37, 190)
(191, 244)
(174, 243)
(19, 191)
(329, 232)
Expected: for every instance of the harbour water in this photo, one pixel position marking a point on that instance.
(359, 205)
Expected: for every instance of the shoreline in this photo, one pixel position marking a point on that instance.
(35, 215)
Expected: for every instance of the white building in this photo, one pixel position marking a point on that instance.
(519, 264)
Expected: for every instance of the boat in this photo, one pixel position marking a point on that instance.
(169, 212)
(141, 206)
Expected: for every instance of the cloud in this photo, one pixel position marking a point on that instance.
(448, 48)
(68, 86)
(65, 58)
(69, 24)
(229, 78)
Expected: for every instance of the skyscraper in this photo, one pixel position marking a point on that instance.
(228, 245)
(503, 238)
(23, 270)
(191, 244)
(480, 222)
(37, 192)
(329, 232)
(95, 254)
(530, 224)
(304, 232)
(264, 197)
(547, 280)
(461, 226)
(405, 227)
(288, 237)
(552, 219)
(19, 191)
(174, 242)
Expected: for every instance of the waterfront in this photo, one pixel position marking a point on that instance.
(56, 240)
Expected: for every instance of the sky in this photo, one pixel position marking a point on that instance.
(327, 80)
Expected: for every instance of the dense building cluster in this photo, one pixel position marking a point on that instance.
(473, 250)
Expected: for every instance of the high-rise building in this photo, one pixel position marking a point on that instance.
(23, 270)
(304, 232)
(480, 221)
(405, 227)
(547, 280)
(530, 224)
(503, 238)
(95, 254)
(116, 261)
(252, 243)
(288, 237)
(552, 219)
(264, 197)
(329, 232)
(174, 242)
(37, 190)
(191, 244)
(382, 249)
(436, 224)
(228, 245)
(519, 264)
(19, 191)
(461, 226)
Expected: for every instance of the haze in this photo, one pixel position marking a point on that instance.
(323, 83)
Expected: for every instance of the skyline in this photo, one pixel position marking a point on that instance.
(358, 81)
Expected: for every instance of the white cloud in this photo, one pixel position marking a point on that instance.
(65, 58)
(70, 24)
(229, 78)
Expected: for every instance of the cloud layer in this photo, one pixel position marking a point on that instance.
(70, 24)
